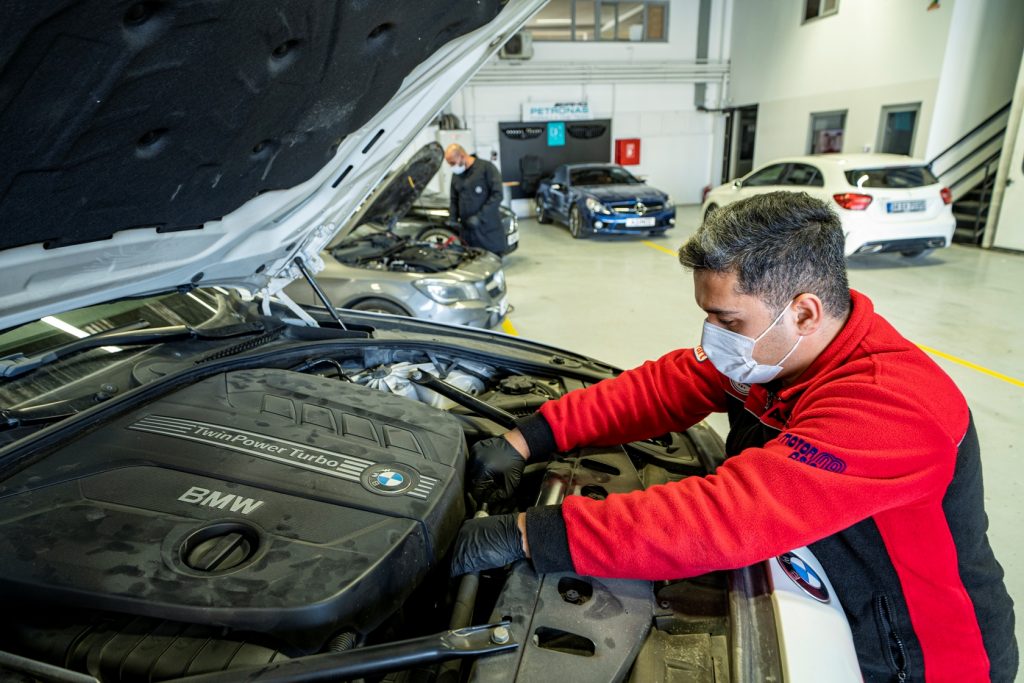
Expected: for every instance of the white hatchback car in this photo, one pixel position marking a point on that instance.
(887, 202)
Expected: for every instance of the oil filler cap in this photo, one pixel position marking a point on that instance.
(219, 548)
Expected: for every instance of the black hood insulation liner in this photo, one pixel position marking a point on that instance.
(170, 113)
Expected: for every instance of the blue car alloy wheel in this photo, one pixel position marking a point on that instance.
(575, 222)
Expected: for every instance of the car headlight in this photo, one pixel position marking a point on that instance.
(668, 201)
(497, 280)
(596, 206)
(447, 291)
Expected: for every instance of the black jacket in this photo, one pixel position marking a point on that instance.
(475, 198)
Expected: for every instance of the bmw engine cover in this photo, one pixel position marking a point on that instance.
(255, 499)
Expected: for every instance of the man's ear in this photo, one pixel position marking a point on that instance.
(810, 313)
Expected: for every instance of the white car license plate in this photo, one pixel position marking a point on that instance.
(906, 206)
(513, 238)
(647, 222)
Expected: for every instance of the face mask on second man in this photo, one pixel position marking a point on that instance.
(733, 353)
(459, 169)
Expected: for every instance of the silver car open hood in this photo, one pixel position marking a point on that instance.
(130, 165)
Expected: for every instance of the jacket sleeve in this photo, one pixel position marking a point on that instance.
(840, 461)
(494, 189)
(670, 394)
(453, 202)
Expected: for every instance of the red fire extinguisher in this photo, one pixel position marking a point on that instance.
(627, 151)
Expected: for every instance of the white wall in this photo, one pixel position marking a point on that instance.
(1006, 218)
(872, 53)
(677, 141)
(958, 61)
(980, 67)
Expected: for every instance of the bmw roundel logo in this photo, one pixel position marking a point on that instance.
(804, 576)
(389, 479)
(740, 387)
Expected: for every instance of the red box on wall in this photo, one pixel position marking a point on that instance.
(627, 151)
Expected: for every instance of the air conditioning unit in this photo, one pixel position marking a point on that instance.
(519, 46)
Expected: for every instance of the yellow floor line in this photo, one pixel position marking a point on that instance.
(935, 352)
(652, 245)
(508, 328)
(972, 366)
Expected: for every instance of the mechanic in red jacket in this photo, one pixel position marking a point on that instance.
(845, 438)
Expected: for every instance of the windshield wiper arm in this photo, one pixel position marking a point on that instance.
(133, 334)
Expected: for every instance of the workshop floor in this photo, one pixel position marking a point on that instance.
(625, 301)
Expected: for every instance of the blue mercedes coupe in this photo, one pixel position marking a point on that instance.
(603, 199)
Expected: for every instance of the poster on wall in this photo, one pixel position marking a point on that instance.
(556, 134)
(556, 111)
(830, 141)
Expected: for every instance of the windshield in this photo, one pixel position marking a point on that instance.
(192, 309)
(602, 176)
(892, 177)
(198, 309)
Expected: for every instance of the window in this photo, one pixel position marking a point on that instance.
(599, 175)
(804, 175)
(814, 9)
(892, 177)
(555, 21)
(771, 175)
(607, 20)
(827, 130)
(896, 131)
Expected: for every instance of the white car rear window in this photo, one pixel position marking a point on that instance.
(892, 177)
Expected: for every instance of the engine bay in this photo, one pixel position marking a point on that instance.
(384, 250)
(265, 514)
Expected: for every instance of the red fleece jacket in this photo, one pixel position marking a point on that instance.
(870, 430)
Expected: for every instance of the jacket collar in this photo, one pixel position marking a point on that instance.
(862, 312)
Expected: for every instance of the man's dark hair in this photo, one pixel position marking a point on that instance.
(779, 244)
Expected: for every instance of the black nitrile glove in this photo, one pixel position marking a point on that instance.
(494, 470)
(487, 542)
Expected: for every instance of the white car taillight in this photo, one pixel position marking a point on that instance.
(853, 201)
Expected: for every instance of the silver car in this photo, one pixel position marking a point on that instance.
(389, 261)
(375, 269)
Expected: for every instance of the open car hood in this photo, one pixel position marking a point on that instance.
(156, 145)
(397, 195)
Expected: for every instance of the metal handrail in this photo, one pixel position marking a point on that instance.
(985, 187)
(983, 201)
(1002, 110)
(982, 164)
(974, 152)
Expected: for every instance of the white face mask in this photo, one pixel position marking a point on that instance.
(733, 353)
(459, 169)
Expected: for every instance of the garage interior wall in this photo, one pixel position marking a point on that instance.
(979, 69)
(1008, 197)
(871, 54)
(678, 142)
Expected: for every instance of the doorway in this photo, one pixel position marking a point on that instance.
(897, 128)
(740, 132)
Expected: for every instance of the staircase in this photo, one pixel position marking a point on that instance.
(968, 168)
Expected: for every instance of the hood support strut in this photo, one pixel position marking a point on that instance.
(320, 293)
